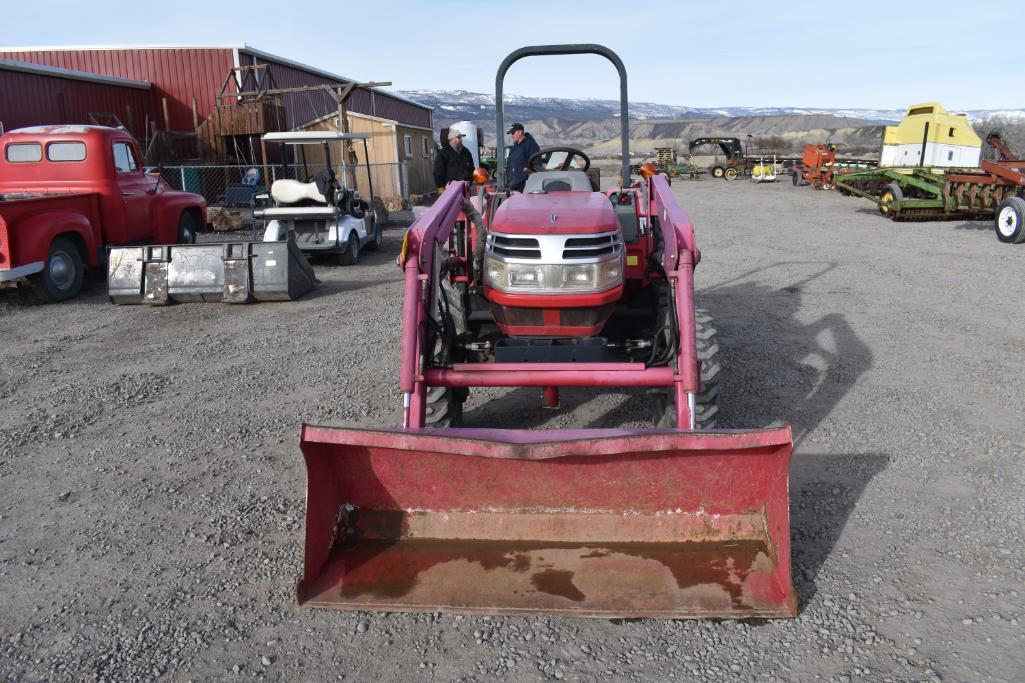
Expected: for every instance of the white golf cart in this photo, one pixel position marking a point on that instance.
(320, 212)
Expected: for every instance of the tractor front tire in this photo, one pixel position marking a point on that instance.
(707, 400)
(63, 273)
(717, 171)
(444, 408)
(731, 174)
(1009, 221)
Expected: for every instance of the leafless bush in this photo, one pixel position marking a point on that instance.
(1011, 129)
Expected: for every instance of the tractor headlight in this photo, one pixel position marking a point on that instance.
(552, 278)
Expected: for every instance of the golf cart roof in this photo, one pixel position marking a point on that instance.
(313, 137)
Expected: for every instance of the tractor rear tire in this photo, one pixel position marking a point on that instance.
(444, 408)
(717, 171)
(1009, 221)
(63, 273)
(350, 256)
(707, 399)
(891, 193)
(730, 174)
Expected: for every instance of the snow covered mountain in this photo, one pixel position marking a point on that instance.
(459, 105)
(593, 125)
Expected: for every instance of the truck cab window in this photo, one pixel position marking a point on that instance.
(124, 159)
(65, 151)
(24, 152)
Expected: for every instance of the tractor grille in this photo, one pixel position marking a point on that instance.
(591, 247)
(516, 247)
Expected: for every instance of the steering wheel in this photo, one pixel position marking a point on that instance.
(539, 160)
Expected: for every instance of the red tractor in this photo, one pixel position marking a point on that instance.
(561, 285)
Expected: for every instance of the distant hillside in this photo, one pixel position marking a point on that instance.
(593, 125)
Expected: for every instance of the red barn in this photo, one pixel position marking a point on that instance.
(181, 78)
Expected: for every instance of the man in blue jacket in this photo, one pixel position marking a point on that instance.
(524, 147)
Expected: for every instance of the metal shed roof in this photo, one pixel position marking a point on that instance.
(25, 67)
(300, 138)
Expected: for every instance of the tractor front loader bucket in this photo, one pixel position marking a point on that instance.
(583, 523)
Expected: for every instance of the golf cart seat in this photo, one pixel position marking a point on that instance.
(557, 181)
(287, 191)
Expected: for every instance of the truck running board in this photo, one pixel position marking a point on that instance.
(584, 523)
(230, 272)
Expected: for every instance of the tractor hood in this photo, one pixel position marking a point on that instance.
(568, 213)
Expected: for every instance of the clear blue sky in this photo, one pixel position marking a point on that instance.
(705, 54)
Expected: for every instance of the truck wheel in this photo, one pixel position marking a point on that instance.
(350, 256)
(63, 272)
(891, 194)
(717, 171)
(730, 174)
(707, 400)
(187, 228)
(1010, 221)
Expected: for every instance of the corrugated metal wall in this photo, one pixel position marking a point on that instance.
(177, 74)
(35, 99)
(303, 108)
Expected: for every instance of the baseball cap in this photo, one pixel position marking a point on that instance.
(453, 134)
(514, 127)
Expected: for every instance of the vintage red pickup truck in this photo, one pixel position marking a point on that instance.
(69, 192)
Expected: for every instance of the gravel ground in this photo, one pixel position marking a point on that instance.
(152, 491)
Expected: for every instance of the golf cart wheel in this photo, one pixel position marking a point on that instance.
(187, 228)
(1010, 221)
(717, 171)
(63, 272)
(377, 238)
(350, 256)
(706, 402)
(730, 174)
(890, 195)
(444, 408)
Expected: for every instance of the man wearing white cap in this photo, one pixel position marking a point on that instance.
(453, 161)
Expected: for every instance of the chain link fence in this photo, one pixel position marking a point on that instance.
(235, 186)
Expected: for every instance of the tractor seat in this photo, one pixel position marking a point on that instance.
(557, 181)
(287, 191)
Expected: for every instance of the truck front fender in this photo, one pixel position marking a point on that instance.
(168, 207)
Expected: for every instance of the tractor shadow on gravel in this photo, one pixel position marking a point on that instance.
(780, 368)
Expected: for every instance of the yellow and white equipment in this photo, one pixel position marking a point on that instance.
(932, 137)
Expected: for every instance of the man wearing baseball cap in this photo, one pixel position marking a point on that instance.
(453, 161)
(524, 146)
